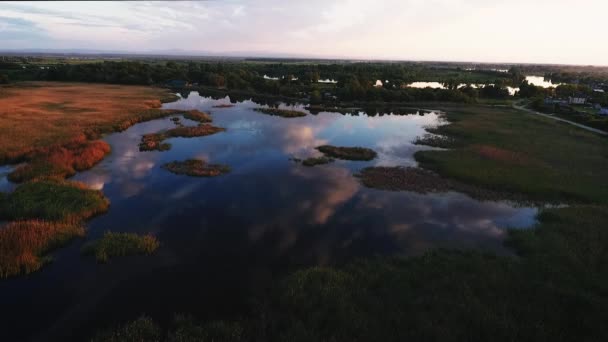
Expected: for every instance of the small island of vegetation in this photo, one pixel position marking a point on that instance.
(196, 168)
(155, 141)
(285, 113)
(348, 153)
(314, 161)
(121, 244)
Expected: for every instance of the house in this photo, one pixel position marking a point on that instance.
(577, 100)
(378, 84)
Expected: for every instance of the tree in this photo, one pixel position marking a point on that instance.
(4, 79)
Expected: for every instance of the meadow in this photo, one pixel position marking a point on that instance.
(37, 115)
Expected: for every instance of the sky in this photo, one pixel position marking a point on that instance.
(510, 31)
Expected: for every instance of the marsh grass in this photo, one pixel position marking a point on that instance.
(121, 244)
(314, 161)
(154, 141)
(53, 200)
(37, 115)
(24, 245)
(221, 106)
(285, 113)
(196, 115)
(423, 181)
(348, 153)
(434, 140)
(507, 150)
(196, 168)
(62, 162)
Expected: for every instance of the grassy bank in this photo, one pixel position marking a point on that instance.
(507, 150)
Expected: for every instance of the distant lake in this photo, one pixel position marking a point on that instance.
(225, 239)
(539, 81)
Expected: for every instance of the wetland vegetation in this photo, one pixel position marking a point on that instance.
(314, 161)
(25, 244)
(155, 141)
(553, 290)
(443, 295)
(53, 200)
(348, 153)
(196, 168)
(285, 113)
(120, 244)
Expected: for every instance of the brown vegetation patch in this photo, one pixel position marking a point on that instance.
(314, 161)
(501, 155)
(62, 162)
(348, 153)
(423, 181)
(285, 113)
(154, 141)
(196, 115)
(36, 115)
(23, 244)
(196, 168)
(220, 106)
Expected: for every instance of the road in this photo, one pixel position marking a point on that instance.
(553, 117)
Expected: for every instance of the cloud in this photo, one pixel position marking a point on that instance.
(515, 31)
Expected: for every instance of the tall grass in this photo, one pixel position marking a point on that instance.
(512, 151)
(121, 244)
(24, 244)
(62, 162)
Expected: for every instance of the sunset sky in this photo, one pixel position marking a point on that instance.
(535, 31)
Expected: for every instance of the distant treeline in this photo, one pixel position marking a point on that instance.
(354, 81)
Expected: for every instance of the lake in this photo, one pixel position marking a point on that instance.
(538, 81)
(226, 239)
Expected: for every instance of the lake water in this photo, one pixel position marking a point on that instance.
(225, 239)
(539, 81)
(5, 185)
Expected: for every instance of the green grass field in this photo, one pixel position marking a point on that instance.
(508, 150)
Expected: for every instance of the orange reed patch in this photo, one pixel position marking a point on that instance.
(24, 243)
(502, 155)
